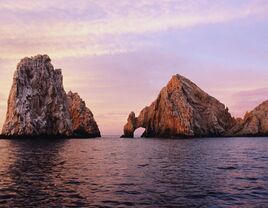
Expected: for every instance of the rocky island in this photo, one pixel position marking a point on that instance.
(254, 123)
(182, 109)
(39, 106)
(83, 122)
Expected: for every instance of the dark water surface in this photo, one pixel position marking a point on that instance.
(113, 172)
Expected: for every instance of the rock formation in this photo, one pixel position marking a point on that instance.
(181, 109)
(254, 123)
(38, 104)
(83, 122)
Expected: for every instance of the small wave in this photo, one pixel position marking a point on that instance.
(126, 184)
(143, 165)
(227, 168)
(118, 203)
(128, 192)
(6, 196)
(196, 196)
(251, 178)
(61, 163)
(73, 182)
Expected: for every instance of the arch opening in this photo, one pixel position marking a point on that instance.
(138, 132)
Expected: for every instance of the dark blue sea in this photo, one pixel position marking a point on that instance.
(114, 172)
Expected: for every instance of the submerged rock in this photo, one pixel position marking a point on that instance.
(37, 103)
(254, 123)
(83, 122)
(181, 109)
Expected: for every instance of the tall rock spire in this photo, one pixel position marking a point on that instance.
(38, 104)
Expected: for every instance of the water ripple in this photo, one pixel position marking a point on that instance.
(114, 172)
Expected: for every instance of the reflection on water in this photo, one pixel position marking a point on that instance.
(113, 172)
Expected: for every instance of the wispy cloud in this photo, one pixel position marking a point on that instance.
(72, 29)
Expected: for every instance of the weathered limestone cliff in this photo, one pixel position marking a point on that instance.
(83, 122)
(254, 123)
(38, 104)
(181, 109)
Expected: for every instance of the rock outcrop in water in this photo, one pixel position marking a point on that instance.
(254, 123)
(83, 122)
(181, 109)
(38, 104)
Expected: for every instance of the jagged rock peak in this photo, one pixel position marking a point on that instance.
(37, 104)
(37, 101)
(254, 123)
(83, 122)
(181, 109)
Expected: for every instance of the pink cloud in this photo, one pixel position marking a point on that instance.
(75, 33)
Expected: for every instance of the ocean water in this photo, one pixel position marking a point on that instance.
(114, 172)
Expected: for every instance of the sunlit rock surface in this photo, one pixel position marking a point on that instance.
(182, 109)
(38, 104)
(254, 123)
(83, 122)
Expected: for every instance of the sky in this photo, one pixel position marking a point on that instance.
(118, 54)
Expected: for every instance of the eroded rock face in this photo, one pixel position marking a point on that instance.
(254, 123)
(83, 122)
(37, 103)
(181, 109)
(131, 126)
